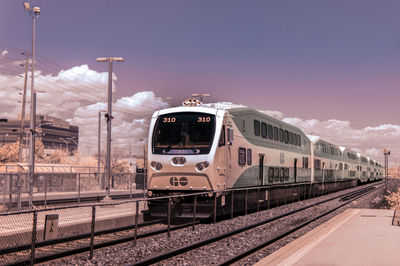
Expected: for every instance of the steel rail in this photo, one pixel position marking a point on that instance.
(177, 251)
(46, 243)
(86, 248)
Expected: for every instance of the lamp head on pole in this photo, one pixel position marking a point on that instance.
(109, 59)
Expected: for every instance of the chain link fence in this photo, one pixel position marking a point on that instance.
(52, 183)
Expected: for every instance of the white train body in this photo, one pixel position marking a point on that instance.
(205, 148)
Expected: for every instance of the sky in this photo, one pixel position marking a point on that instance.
(330, 67)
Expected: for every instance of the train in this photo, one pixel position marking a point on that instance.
(218, 148)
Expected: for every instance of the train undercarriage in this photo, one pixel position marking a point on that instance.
(237, 201)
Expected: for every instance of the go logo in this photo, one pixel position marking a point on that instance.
(175, 181)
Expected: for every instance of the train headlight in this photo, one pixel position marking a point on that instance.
(150, 193)
(202, 166)
(156, 166)
(178, 161)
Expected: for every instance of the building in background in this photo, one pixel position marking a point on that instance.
(53, 132)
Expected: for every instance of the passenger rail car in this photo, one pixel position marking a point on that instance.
(208, 148)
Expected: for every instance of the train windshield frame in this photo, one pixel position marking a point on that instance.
(183, 133)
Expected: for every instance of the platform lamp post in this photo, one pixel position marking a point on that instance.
(34, 12)
(109, 117)
(386, 152)
(98, 149)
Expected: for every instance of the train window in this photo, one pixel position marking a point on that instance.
(242, 156)
(299, 140)
(271, 175)
(290, 138)
(276, 174)
(256, 127)
(281, 135)
(317, 164)
(276, 136)
(295, 139)
(282, 175)
(270, 132)
(249, 156)
(286, 174)
(222, 137)
(264, 130)
(305, 162)
(286, 136)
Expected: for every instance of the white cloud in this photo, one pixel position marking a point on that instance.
(76, 95)
(4, 53)
(369, 140)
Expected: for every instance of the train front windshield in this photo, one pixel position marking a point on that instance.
(183, 133)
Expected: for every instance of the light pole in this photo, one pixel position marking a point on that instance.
(386, 152)
(98, 145)
(22, 127)
(34, 12)
(109, 116)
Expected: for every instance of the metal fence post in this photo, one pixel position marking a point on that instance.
(258, 199)
(4, 191)
(215, 207)
(136, 222)
(92, 231)
(245, 207)
(277, 200)
(233, 194)
(45, 190)
(269, 197)
(33, 243)
(10, 193)
(169, 218)
(286, 197)
(194, 211)
(19, 191)
(130, 186)
(79, 188)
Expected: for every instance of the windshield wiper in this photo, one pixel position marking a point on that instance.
(192, 146)
(168, 148)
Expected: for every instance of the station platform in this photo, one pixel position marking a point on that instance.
(354, 237)
(64, 197)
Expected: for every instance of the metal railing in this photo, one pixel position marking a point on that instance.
(14, 187)
(26, 232)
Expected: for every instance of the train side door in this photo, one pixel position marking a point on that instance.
(223, 164)
(261, 169)
(295, 170)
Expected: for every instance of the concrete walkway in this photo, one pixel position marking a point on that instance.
(354, 237)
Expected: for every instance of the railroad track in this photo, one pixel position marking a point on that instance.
(344, 199)
(67, 246)
(63, 247)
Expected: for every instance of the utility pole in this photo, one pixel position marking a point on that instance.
(21, 132)
(386, 152)
(109, 117)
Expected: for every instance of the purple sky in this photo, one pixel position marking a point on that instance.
(308, 59)
(341, 58)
